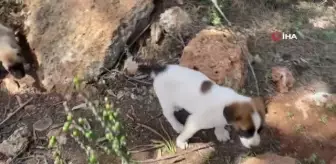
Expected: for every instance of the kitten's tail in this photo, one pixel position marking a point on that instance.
(132, 67)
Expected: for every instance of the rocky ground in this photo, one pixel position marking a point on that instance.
(297, 76)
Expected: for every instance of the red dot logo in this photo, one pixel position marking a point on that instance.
(276, 36)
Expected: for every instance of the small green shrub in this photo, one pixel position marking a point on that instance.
(112, 141)
(313, 159)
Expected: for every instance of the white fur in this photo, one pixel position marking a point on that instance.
(255, 140)
(179, 87)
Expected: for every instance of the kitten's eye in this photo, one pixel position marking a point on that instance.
(260, 129)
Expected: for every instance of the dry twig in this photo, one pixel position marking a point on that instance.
(253, 73)
(177, 155)
(16, 110)
(151, 119)
(152, 130)
(128, 77)
(146, 149)
(140, 146)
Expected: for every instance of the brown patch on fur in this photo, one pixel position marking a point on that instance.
(239, 114)
(206, 86)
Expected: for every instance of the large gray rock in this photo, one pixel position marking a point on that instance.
(72, 37)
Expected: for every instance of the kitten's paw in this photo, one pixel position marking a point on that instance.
(222, 136)
(182, 144)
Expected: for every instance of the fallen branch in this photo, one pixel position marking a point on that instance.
(145, 149)
(155, 117)
(177, 155)
(140, 146)
(253, 73)
(16, 110)
(128, 77)
(152, 130)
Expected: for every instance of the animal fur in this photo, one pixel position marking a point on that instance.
(9, 53)
(208, 104)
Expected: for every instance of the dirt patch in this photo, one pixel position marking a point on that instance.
(303, 127)
(70, 42)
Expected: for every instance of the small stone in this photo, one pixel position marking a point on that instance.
(133, 96)
(96, 102)
(110, 92)
(120, 95)
(16, 143)
(91, 90)
(43, 124)
(175, 21)
(269, 158)
(130, 66)
(141, 98)
(205, 20)
(180, 2)
(68, 97)
(31, 161)
(257, 59)
(283, 78)
(30, 107)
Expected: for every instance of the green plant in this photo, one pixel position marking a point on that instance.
(166, 144)
(324, 119)
(56, 152)
(299, 128)
(313, 159)
(112, 141)
(290, 115)
(332, 109)
(215, 17)
(327, 35)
